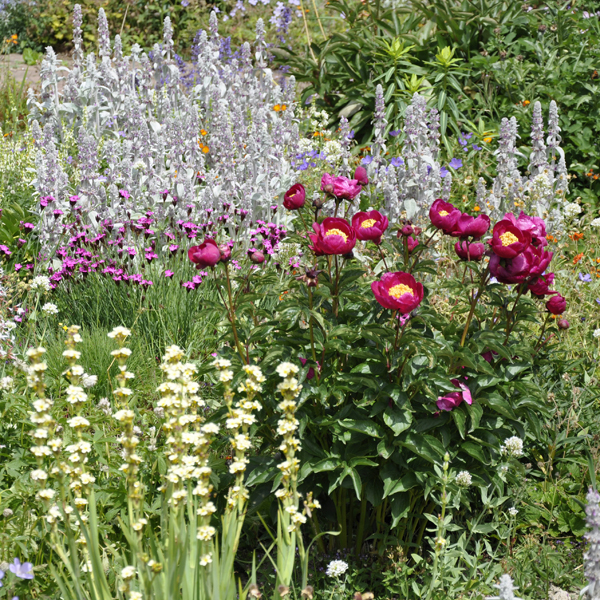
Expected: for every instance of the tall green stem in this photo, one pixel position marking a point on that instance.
(473, 305)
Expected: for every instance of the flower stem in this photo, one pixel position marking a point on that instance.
(231, 312)
(473, 305)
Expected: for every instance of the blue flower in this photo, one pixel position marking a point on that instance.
(444, 172)
(476, 147)
(1, 576)
(456, 163)
(585, 278)
(367, 160)
(598, 300)
(185, 3)
(396, 161)
(395, 133)
(22, 571)
(350, 136)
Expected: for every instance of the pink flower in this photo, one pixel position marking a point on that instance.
(466, 251)
(541, 287)
(468, 226)
(295, 197)
(332, 236)
(412, 243)
(169, 273)
(453, 399)
(361, 175)
(207, 254)
(508, 240)
(556, 305)
(398, 291)
(444, 215)
(370, 225)
(340, 187)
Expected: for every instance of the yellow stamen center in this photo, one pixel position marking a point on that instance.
(443, 213)
(508, 238)
(337, 232)
(367, 223)
(399, 290)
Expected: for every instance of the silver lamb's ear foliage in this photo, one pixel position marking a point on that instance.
(379, 126)
(168, 37)
(77, 37)
(592, 556)
(103, 35)
(505, 589)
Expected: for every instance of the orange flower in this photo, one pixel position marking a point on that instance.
(476, 208)
(487, 140)
(277, 107)
(526, 103)
(598, 260)
(578, 258)
(203, 132)
(576, 236)
(206, 150)
(550, 238)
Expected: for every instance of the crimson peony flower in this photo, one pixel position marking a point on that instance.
(539, 259)
(412, 243)
(295, 197)
(340, 187)
(398, 291)
(207, 254)
(444, 215)
(508, 240)
(534, 226)
(468, 226)
(541, 287)
(453, 399)
(332, 236)
(556, 305)
(361, 175)
(369, 225)
(472, 251)
(514, 270)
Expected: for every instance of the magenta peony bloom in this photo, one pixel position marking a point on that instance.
(207, 254)
(361, 175)
(332, 236)
(444, 215)
(453, 399)
(468, 226)
(556, 305)
(340, 187)
(472, 251)
(398, 291)
(534, 226)
(541, 286)
(508, 240)
(539, 259)
(369, 225)
(295, 197)
(412, 243)
(514, 270)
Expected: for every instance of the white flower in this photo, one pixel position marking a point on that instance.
(128, 573)
(210, 428)
(119, 332)
(78, 422)
(41, 282)
(89, 381)
(50, 309)
(464, 479)
(6, 383)
(513, 446)
(336, 568)
(205, 559)
(512, 511)
(285, 369)
(596, 333)
(135, 596)
(221, 363)
(39, 475)
(206, 533)
(595, 222)
(572, 209)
